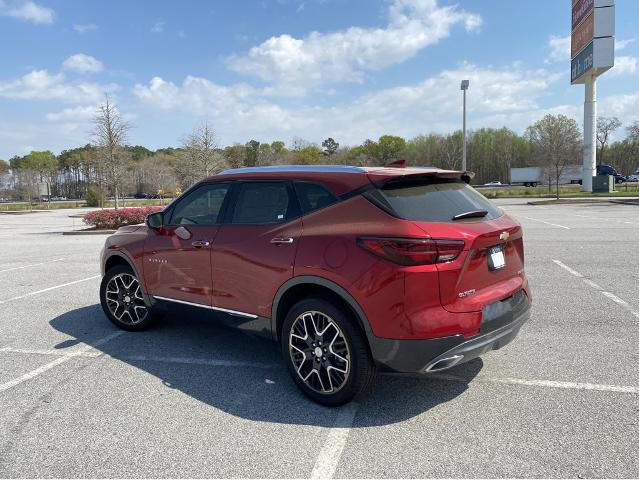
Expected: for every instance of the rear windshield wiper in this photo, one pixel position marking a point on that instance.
(471, 214)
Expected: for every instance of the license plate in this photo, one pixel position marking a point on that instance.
(496, 259)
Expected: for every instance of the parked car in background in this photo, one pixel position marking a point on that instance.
(494, 183)
(350, 270)
(141, 195)
(610, 170)
(633, 178)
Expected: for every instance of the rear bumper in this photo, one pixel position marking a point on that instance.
(500, 325)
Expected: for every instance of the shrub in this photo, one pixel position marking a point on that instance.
(93, 197)
(111, 218)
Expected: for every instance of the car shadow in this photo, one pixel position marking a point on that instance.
(245, 375)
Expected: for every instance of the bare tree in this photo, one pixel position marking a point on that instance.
(200, 157)
(557, 142)
(605, 127)
(451, 149)
(110, 133)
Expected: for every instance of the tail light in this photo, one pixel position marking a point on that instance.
(413, 251)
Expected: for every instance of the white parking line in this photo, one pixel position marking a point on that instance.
(32, 265)
(541, 383)
(568, 269)
(592, 284)
(547, 223)
(331, 451)
(54, 352)
(48, 289)
(56, 362)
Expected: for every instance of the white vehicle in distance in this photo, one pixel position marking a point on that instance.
(494, 183)
(633, 178)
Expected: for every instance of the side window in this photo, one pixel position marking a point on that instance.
(261, 203)
(201, 207)
(313, 196)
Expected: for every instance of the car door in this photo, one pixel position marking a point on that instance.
(254, 251)
(177, 258)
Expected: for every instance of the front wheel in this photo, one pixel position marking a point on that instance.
(122, 300)
(326, 352)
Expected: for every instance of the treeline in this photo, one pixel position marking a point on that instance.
(101, 169)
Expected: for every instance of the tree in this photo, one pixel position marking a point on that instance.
(200, 157)
(252, 153)
(110, 135)
(309, 155)
(390, 146)
(330, 147)
(234, 155)
(605, 127)
(557, 142)
(451, 148)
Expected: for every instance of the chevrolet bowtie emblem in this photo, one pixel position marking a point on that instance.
(504, 236)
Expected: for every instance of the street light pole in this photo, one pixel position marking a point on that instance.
(464, 87)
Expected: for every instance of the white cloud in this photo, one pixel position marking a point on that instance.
(240, 111)
(82, 63)
(345, 56)
(74, 114)
(85, 27)
(559, 49)
(621, 44)
(624, 66)
(29, 11)
(41, 85)
(158, 27)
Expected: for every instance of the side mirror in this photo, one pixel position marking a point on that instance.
(155, 220)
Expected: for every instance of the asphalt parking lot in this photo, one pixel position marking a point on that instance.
(79, 398)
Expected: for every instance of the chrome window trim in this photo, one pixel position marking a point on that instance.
(209, 307)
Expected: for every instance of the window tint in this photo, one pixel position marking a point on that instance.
(262, 202)
(201, 207)
(313, 196)
(433, 200)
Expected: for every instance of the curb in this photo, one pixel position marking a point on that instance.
(564, 201)
(90, 231)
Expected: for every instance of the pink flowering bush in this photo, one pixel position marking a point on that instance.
(112, 219)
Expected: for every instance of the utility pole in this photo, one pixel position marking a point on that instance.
(464, 87)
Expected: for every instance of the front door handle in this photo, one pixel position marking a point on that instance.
(281, 240)
(200, 243)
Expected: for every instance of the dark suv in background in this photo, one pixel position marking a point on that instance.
(351, 270)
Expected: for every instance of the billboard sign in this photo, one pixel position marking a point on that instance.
(582, 35)
(582, 63)
(580, 10)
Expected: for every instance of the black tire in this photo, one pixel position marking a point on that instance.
(128, 315)
(344, 341)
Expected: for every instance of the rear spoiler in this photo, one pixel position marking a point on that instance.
(411, 176)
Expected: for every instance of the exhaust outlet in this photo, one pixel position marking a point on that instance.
(444, 364)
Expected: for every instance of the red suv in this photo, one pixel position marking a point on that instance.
(352, 270)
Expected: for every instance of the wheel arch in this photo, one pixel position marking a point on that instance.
(299, 287)
(117, 257)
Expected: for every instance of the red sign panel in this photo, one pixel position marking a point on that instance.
(580, 10)
(582, 35)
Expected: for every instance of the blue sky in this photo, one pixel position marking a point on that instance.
(286, 69)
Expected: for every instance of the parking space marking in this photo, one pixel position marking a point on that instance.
(568, 269)
(57, 361)
(331, 451)
(48, 289)
(541, 383)
(32, 265)
(547, 223)
(609, 295)
(58, 353)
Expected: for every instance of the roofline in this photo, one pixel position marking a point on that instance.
(296, 168)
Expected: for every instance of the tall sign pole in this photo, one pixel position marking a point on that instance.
(592, 52)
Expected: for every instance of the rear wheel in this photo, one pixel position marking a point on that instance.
(122, 300)
(326, 353)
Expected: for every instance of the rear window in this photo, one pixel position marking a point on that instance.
(432, 200)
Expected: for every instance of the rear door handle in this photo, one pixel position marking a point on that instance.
(200, 243)
(281, 240)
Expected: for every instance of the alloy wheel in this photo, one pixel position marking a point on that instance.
(319, 352)
(124, 299)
